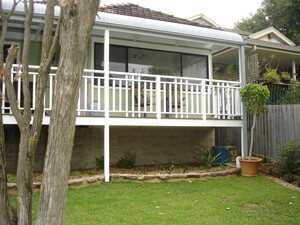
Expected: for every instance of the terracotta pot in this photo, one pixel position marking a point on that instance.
(249, 166)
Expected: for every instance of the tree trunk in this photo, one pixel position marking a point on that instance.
(77, 22)
(5, 215)
(29, 137)
(24, 180)
(252, 135)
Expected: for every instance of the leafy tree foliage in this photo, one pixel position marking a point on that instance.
(284, 15)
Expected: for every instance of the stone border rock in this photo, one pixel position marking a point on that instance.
(134, 177)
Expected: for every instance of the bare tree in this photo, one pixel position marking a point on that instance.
(29, 135)
(6, 216)
(77, 21)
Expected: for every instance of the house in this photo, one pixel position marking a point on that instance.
(268, 46)
(161, 102)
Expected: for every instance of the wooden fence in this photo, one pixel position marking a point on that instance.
(280, 123)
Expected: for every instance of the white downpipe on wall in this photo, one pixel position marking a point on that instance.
(106, 105)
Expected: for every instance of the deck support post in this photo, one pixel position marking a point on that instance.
(106, 105)
(106, 153)
(242, 70)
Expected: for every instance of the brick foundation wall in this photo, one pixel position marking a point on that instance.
(151, 145)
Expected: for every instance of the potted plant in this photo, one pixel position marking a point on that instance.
(285, 77)
(271, 76)
(255, 97)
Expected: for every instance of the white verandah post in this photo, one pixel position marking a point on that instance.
(294, 70)
(242, 71)
(106, 105)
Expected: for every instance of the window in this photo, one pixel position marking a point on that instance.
(194, 66)
(136, 60)
(153, 62)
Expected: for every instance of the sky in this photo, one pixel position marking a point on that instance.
(223, 12)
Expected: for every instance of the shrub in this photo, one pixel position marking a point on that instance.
(285, 75)
(127, 161)
(271, 76)
(287, 158)
(207, 158)
(292, 95)
(100, 162)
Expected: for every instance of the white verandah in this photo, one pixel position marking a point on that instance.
(109, 98)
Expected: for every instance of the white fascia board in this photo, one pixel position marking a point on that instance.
(270, 30)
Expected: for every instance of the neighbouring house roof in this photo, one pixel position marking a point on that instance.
(268, 44)
(271, 32)
(134, 10)
(269, 37)
(204, 20)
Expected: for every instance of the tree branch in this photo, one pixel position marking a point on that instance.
(12, 53)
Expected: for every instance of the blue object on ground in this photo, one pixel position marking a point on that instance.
(223, 154)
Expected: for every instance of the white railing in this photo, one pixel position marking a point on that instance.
(142, 95)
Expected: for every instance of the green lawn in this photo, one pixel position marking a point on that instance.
(231, 200)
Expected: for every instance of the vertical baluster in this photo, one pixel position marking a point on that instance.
(214, 101)
(151, 96)
(139, 96)
(181, 98)
(228, 100)
(223, 101)
(165, 98)
(203, 100)
(126, 95)
(33, 90)
(187, 99)
(120, 95)
(197, 99)
(192, 98)
(145, 96)
(113, 95)
(19, 81)
(208, 98)
(98, 93)
(232, 100)
(85, 94)
(170, 97)
(218, 100)
(175, 98)
(158, 98)
(51, 92)
(92, 89)
(132, 96)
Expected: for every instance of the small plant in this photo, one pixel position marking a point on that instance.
(207, 158)
(167, 168)
(271, 76)
(127, 161)
(11, 178)
(290, 178)
(100, 162)
(77, 174)
(288, 158)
